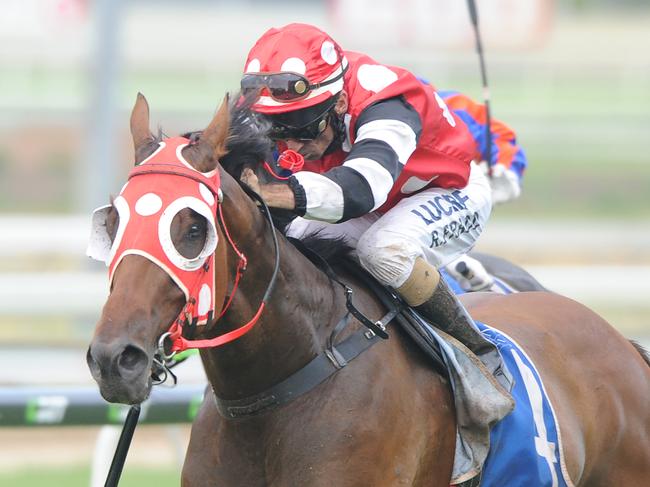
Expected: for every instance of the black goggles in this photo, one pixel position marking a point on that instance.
(306, 133)
(283, 87)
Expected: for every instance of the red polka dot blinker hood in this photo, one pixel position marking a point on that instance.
(297, 48)
(157, 190)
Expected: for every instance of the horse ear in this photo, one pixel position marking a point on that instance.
(217, 132)
(140, 131)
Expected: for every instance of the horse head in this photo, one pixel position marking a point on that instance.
(162, 245)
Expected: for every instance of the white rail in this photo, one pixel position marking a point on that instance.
(38, 294)
(84, 291)
(28, 234)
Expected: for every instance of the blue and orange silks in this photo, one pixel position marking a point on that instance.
(505, 150)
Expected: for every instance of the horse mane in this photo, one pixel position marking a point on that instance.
(334, 250)
(248, 144)
(642, 351)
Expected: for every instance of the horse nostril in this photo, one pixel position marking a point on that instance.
(92, 363)
(132, 361)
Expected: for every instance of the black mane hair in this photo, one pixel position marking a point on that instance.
(334, 250)
(248, 143)
(249, 146)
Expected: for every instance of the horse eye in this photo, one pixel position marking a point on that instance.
(195, 232)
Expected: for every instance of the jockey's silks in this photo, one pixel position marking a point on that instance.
(505, 149)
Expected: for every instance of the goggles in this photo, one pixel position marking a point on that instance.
(284, 87)
(305, 133)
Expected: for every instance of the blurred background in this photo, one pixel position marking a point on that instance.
(572, 77)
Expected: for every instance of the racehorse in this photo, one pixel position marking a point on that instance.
(385, 419)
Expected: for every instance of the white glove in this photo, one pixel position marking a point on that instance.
(475, 277)
(504, 183)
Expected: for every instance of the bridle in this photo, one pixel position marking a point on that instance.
(174, 338)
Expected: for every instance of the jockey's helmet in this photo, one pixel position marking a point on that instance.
(297, 70)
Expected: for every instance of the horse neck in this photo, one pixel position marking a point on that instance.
(294, 324)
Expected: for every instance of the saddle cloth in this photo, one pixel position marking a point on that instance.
(525, 446)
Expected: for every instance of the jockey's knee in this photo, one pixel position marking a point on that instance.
(387, 256)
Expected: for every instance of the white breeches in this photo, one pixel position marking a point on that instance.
(436, 224)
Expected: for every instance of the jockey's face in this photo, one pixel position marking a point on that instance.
(314, 149)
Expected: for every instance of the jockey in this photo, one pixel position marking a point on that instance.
(506, 169)
(508, 159)
(387, 165)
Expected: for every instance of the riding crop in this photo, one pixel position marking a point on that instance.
(122, 449)
(487, 154)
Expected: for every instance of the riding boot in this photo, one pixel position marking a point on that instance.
(429, 294)
(445, 311)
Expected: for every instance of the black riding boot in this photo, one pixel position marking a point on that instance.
(445, 311)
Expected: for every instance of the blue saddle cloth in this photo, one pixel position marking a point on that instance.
(525, 447)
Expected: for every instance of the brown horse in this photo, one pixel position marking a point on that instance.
(385, 419)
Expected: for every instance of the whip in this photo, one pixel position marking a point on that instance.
(487, 152)
(123, 447)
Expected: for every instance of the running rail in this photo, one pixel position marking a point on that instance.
(75, 406)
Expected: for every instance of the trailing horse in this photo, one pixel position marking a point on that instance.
(388, 417)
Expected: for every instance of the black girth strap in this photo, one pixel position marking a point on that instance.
(305, 379)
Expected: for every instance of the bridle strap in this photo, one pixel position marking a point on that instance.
(241, 264)
(180, 343)
(159, 168)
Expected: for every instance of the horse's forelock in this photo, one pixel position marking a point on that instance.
(248, 144)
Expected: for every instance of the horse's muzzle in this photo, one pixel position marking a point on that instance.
(121, 371)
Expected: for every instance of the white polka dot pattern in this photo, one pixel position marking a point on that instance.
(373, 77)
(205, 300)
(148, 204)
(328, 53)
(415, 184)
(253, 66)
(206, 194)
(295, 65)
